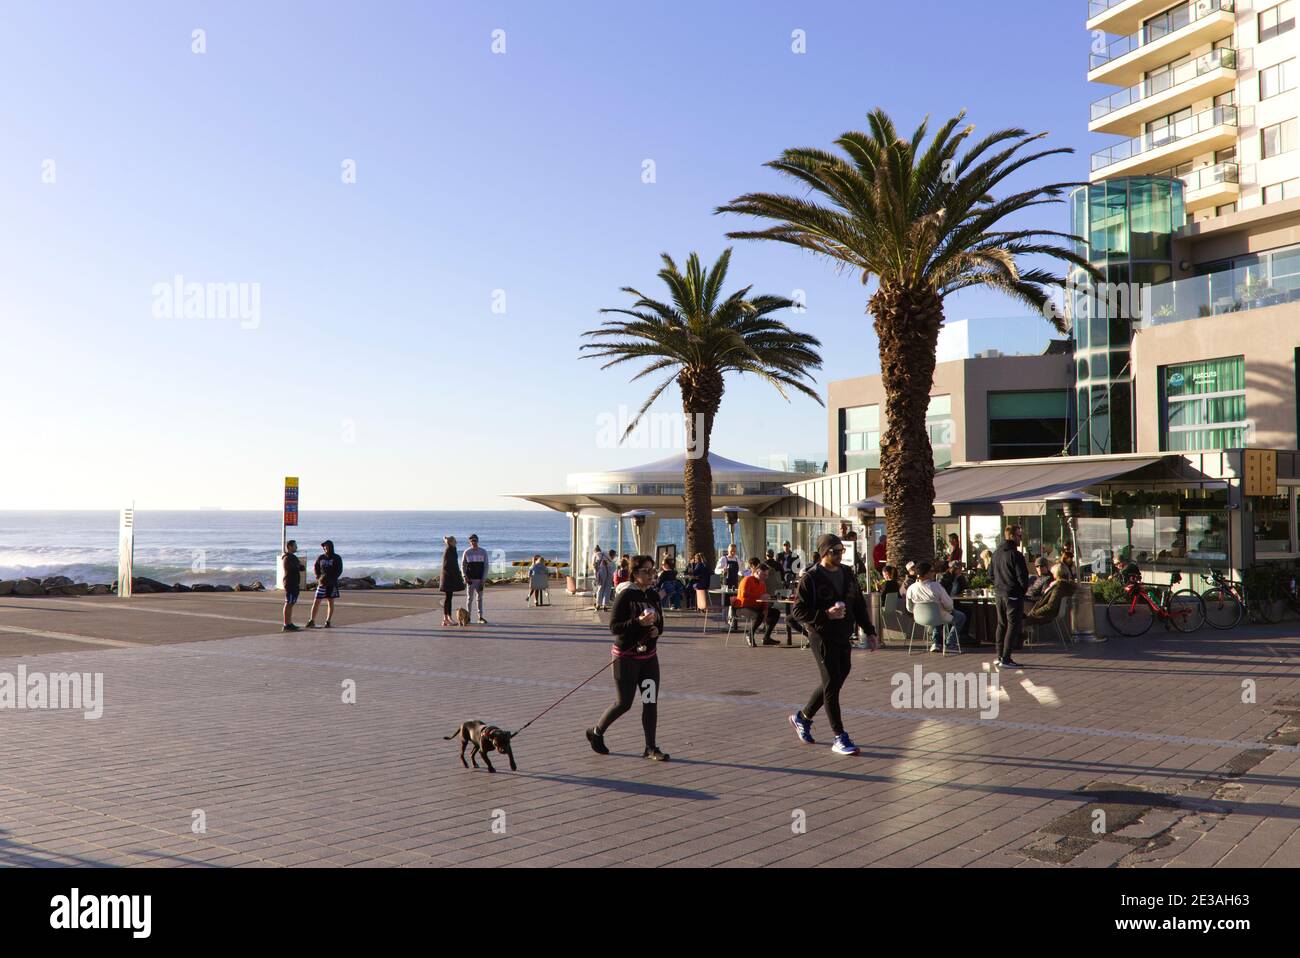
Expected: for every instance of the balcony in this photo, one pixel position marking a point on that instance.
(1118, 17)
(1200, 79)
(1211, 186)
(1205, 132)
(1200, 23)
(1218, 294)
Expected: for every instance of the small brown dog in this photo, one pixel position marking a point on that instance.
(462, 616)
(484, 738)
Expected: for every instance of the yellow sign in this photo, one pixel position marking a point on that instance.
(1259, 472)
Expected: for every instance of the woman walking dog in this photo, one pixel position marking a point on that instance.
(450, 580)
(637, 621)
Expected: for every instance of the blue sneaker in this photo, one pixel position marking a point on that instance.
(802, 728)
(844, 745)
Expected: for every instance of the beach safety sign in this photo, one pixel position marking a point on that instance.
(125, 552)
(290, 500)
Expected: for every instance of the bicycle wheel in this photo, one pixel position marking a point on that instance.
(1266, 607)
(1130, 615)
(1222, 609)
(1186, 610)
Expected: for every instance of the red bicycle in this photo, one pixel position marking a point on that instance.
(1133, 612)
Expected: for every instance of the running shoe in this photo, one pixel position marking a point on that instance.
(654, 754)
(802, 728)
(844, 745)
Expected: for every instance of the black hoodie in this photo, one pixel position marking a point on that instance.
(630, 633)
(1009, 570)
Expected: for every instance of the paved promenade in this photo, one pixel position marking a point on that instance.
(212, 717)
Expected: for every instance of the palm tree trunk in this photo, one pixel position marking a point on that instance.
(701, 397)
(907, 323)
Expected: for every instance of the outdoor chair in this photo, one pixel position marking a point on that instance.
(1060, 625)
(894, 617)
(702, 606)
(928, 615)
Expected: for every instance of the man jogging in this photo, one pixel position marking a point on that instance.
(474, 564)
(828, 603)
(637, 621)
(1010, 582)
(292, 579)
(329, 566)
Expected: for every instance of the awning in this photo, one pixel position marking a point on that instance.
(986, 489)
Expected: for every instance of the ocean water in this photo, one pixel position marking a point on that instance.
(223, 547)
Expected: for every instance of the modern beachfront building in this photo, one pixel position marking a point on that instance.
(1167, 425)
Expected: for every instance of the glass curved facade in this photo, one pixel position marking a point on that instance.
(1127, 226)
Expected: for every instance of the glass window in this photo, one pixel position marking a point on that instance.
(862, 437)
(938, 420)
(1277, 79)
(1203, 405)
(1272, 521)
(1278, 138)
(1289, 189)
(1277, 20)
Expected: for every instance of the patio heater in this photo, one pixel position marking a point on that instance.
(1081, 606)
(731, 514)
(638, 517)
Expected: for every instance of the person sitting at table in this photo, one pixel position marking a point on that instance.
(670, 587)
(749, 599)
(954, 582)
(1048, 605)
(911, 575)
(1040, 580)
(926, 589)
(890, 584)
(954, 549)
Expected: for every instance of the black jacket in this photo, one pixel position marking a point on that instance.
(449, 578)
(292, 571)
(328, 569)
(628, 632)
(818, 591)
(1009, 570)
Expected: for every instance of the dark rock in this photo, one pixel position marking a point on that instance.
(7, 586)
(55, 582)
(203, 587)
(28, 587)
(144, 585)
(224, 588)
(180, 587)
(240, 587)
(100, 590)
(257, 586)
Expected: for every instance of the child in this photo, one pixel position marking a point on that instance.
(537, 581)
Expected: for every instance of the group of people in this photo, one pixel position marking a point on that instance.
(829, 605)
(328, 568)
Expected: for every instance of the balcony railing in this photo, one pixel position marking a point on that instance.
(1157, 139)
(1211, 175)
(1228, 291)
(1183, 17)
(1097, 7)
(1224, 57)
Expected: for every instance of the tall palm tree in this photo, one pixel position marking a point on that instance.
(924, 223)
(697, 338)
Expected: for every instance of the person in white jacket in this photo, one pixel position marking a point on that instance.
(927, 589)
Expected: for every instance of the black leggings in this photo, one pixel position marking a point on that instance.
(629, 674)
(833, 661)
(446, 604)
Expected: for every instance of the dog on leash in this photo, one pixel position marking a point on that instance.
(484, 738)
(462, 616)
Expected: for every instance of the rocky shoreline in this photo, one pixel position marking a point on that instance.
(60, 585)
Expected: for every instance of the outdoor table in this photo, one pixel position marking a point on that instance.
(789, 605)
(981, 617)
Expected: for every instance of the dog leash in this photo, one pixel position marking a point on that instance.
(562, 698)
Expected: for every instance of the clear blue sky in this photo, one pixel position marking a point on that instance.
(378, 370)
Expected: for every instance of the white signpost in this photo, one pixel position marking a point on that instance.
(125, 553)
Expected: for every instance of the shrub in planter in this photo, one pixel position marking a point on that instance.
(1107, 591)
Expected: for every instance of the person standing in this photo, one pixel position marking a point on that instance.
(292, 579)
(1010, 582)
(474, 564)
(450, 580)
(328, 568)
(637, 621)
(789, 561)
(602, 568)
(880, 554)
(537, 577)
(623, 573)
(954, 548)
(829, 603)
